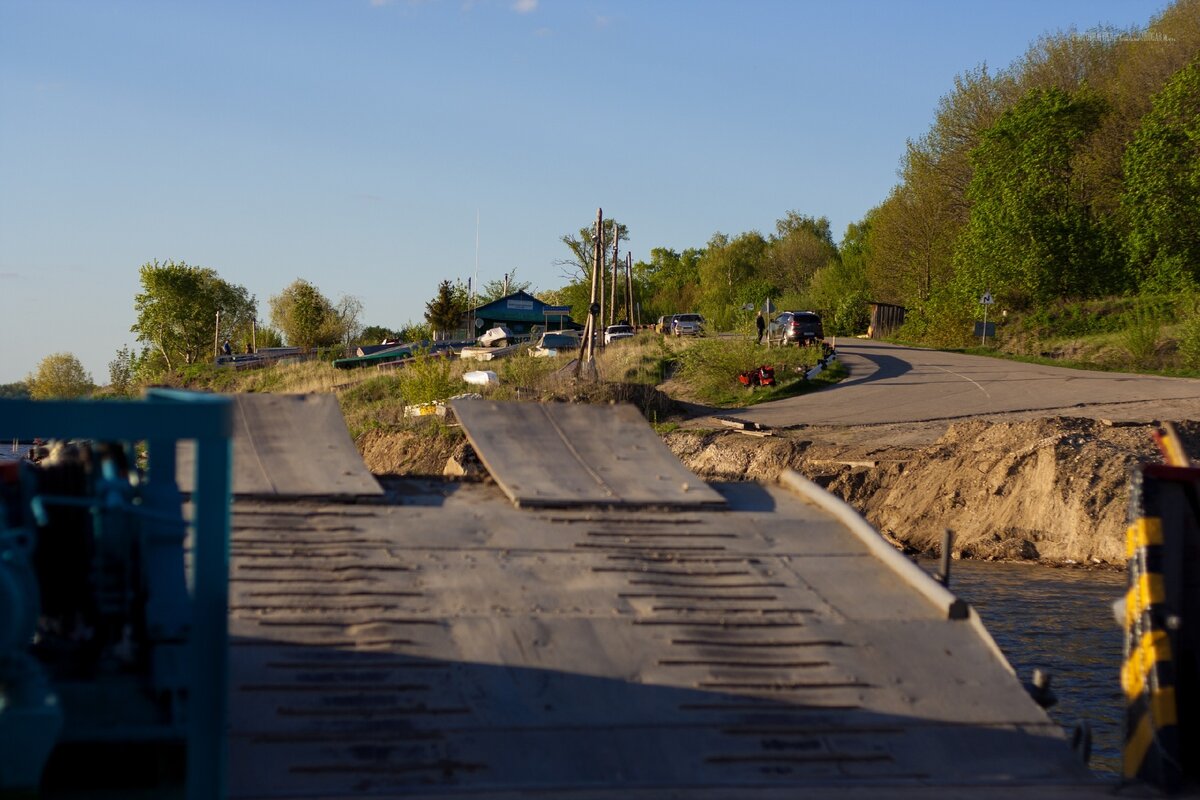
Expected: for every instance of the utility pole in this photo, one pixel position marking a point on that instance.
(612, 303)
(586, 347)
(629, 288)
(599, 267)
(217, 336)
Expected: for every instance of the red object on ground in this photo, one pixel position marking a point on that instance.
(763, 376)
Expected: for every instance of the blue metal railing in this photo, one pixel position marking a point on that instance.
(161, 419)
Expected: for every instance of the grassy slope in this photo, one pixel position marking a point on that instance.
(1119, 334)
(698, 370)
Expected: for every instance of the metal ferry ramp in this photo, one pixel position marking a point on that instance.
(733, 640)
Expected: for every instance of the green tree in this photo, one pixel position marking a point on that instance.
(14, 391)
(576, 294)
(578, 266)
(121, 380)
(1029, 234)
(839, 291)
(305, 317)
(669, 282)
(59, 375)
(1162, 187)
(349, 315)
(374, 334)
(266, 336)
(415, 332)
(915, 228)
(800, 246)
(731, 275)
(177, 311)
(494, 290)
(444, 313)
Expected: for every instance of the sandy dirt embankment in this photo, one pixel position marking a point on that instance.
(1053, 489)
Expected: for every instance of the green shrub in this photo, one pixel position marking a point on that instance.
(523, 371)
(711, 366)
(1143, 326)
(851, 317)
(427, 379)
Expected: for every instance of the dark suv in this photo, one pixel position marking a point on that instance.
(796, 327)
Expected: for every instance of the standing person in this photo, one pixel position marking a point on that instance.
(226, 348)
(761, 324)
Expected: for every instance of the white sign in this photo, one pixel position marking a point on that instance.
(986, 300)
(520, 305)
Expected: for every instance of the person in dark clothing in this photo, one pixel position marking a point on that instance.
(761, 324)
(226, 349)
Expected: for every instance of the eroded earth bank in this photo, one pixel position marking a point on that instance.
(1053, 489)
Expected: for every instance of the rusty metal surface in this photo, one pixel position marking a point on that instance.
(454, 645)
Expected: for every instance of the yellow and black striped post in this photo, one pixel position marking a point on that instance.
(1158, 673)
(1147, 675)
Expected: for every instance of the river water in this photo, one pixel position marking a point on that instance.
(1058, 620)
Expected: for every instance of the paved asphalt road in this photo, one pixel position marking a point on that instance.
(889, 384)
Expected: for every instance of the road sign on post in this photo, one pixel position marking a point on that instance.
(985, 301)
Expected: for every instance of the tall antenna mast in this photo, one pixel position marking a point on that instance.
(475, 282)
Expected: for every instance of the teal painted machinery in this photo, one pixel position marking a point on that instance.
(104, 639)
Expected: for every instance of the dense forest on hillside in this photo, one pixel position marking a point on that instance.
(1072, 173)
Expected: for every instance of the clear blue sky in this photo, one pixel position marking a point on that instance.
(353, 142)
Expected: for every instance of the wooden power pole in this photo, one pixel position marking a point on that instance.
(629, 288)
(587, 346)
(612, 302)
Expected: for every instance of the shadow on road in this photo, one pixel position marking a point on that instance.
(885, 367)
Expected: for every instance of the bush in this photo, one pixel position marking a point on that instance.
(851, 317)
(942, 321)
(523, 371)
(1143, 325)
(1189, 341)
(712, 366)
(428, 378)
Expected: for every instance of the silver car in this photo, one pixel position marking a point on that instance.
(687, 325)
(554, 343)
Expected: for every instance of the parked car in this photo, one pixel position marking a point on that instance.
(614, 332)
(796, 327)
(663, 325)
(553, 343)
(687, 325)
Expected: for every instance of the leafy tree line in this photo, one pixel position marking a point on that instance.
(797, 265)
(1074, 173)
(184, 313)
